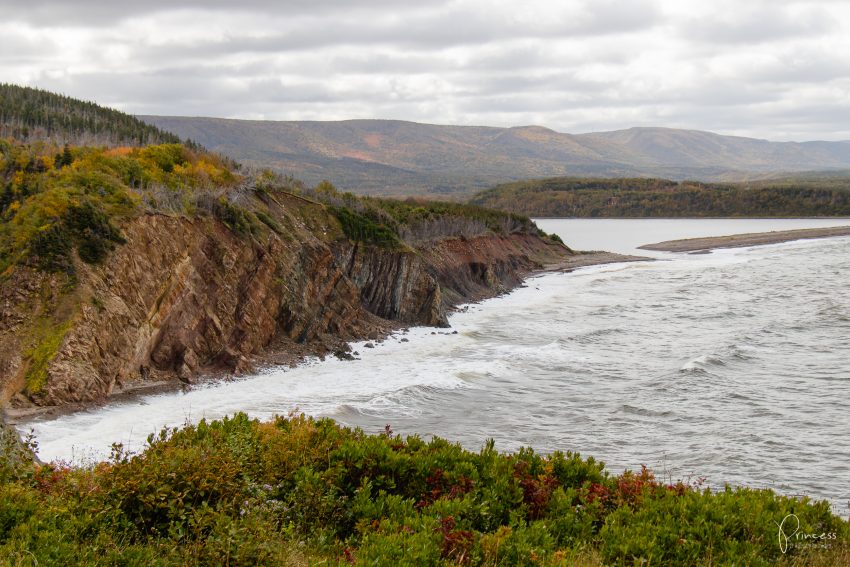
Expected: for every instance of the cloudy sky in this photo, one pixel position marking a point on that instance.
(772, 69)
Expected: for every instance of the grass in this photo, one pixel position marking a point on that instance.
(269, 222)
(49, 337)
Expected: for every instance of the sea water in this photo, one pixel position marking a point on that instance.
(731, 366)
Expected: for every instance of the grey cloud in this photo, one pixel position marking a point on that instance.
(87, 13)
(456, 25)
(616, 16)
(804, 66)
(17, 47)
(533, 84)
(762, 23)
(821, 114)
(520, 103)
(716, 93)
(383, 62)
(512, 56)
(573, 66)
(190, 89)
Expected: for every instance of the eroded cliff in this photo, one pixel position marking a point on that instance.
(187, 295)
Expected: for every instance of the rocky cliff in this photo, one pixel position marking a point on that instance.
(188, 295)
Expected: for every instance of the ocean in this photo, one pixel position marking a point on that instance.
(732, 367)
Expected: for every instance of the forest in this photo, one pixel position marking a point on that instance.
(648, 197)
(34, 114)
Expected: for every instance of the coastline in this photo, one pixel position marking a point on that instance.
(587, 258)
(706, 244)
(287, 353)
(214, 382)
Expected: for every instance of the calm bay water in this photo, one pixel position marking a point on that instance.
(731, 366)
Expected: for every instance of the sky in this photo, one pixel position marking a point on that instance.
(772, 69)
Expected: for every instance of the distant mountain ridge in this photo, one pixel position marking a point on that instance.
(398, 157)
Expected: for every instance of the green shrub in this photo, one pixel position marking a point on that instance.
(732, 526)
(299, 490)
(83, 226)
(93, 232)
(181, 483)
(48, 206)
(166, 156)
(51, 249)
(237, 219)
(16, 455)
(414, 543)
(17, 505)
(269, 222)
(359, 228)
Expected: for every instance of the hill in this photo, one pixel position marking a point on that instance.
(33, 114)
(638, 197)
(393, 157)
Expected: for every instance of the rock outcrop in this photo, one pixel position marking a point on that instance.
(188, 295)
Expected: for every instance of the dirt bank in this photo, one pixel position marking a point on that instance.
(187, 297)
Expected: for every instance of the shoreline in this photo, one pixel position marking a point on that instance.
(706, 244)
(286, 353)
(585, 258)
(581, 259)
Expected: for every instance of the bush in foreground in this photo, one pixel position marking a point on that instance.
(299, 491)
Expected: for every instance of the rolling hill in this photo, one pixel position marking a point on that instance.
(391, 157)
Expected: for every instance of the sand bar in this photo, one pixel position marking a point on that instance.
(749, 239)
(592, 258)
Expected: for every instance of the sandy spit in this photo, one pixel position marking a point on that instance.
(749, 239)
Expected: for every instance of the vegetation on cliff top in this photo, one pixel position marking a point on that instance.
(299, 491)
(587, 197)
(392, 222)
(34, 114)
(55, 200)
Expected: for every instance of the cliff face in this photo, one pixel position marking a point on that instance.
(188, 295)
(478, 268)
(394, 285)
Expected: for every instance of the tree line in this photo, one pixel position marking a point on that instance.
(33, 114)
(588, 197)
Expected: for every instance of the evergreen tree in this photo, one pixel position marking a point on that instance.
(67, 158)
(27, 113)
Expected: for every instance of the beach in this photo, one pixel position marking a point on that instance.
(743, 240)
